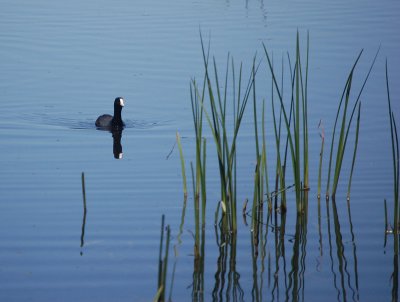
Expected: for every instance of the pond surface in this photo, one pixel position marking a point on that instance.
(63, 63)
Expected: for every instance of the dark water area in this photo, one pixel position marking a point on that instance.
(62, 65)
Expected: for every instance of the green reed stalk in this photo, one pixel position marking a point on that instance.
(158, 294)
(159, 283)
(385, 211)
(196, 215)
(203, 185)
(178, 139)
(255, 208)
(396, 167)
(235, 109)
(296, 129)
(280, 175)
(255, 111)
(261, 164)
(83, 191)
(162, 263)
(264, 155)
(386, 223)
(321, 154)
(199, 173)
(305, 118)
(84, 211)
(396, 199)
(165, 261)
(197, 112)
(355, 150)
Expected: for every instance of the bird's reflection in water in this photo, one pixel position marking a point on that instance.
(117, 147)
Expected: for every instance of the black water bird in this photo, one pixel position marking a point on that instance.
(110, 122)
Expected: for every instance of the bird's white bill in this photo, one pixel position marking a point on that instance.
(121, 102)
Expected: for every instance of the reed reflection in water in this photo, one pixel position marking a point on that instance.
(346, 282)
(227, 279)
(84, 212)
(276, 275)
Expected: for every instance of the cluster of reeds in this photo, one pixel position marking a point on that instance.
(345, 121)
(290, 122)
(162, 262)
(295, 121)
(183, 169)
(212, 102)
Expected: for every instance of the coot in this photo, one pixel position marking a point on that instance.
(110, 122)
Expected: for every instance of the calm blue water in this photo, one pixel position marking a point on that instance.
(62, 65)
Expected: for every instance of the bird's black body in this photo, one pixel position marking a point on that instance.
(110, 122)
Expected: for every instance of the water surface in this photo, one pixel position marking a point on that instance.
(62, 65)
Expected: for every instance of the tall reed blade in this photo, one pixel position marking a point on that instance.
(162, 263)
(355, 151)
(264, 155)
(199, 172)
(396, 168)
(178, 139)
(341, 144)
(345, 128)
(305, 118)
(165, 263)
(159, 283)
(349, 78)
(321, 154)
(84, 211)
(83, 190)
(280, 161)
